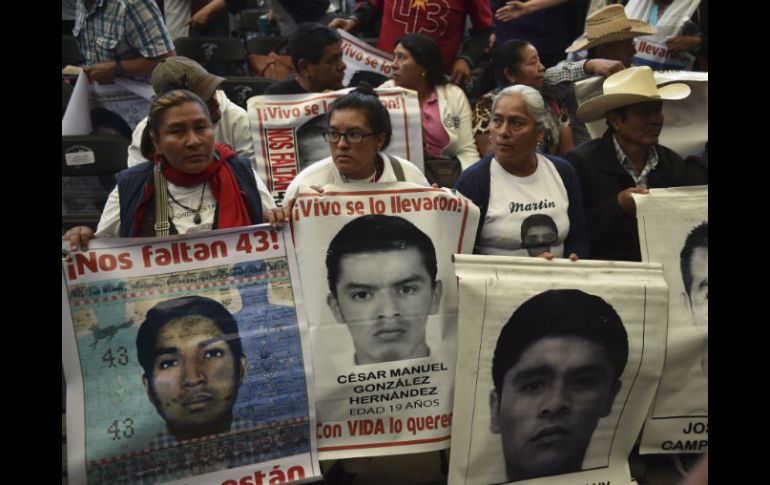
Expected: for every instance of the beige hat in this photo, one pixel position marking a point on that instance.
(609, 25)
(629, 86)
(179, 72)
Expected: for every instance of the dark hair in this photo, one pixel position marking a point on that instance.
(698, 238)
(622, 113)
(365, 99)
(377, 233)
(508, 56)
(560, 313)
(309, 42)
(426, 52)
(538, 220)
(158, 108)
(168, 310)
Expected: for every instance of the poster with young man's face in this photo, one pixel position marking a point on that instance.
(187, 360)
(287, 131)
(673, 230)
(375, 262)
(557, 365)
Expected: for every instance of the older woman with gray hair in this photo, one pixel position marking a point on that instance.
(515, 182)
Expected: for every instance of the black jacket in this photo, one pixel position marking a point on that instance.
(614, 234)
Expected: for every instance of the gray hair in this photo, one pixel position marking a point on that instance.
(531, 98)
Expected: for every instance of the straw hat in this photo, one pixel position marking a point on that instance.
(629, 86)
(608, 25)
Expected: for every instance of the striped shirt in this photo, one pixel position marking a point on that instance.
(124, 29)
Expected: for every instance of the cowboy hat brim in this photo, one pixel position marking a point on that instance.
(638, 28)
(596, 108)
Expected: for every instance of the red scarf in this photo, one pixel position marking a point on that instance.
(231, 206)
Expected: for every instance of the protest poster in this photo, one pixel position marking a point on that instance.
(557, 364)
(287, 132)
(673, 230)
(358, 55)
(381, 300)
(652, 51)
(187, 361)
(685, 122)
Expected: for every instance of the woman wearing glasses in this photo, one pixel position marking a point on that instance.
(359, 131)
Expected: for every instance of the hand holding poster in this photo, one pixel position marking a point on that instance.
(382, 309)
(673, 230)
(557, 364)
(187, 361)
(287, 132)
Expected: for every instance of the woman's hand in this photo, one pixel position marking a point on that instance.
(78, 237)
(278, 216)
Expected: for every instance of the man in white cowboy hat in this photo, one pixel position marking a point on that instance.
(627, 159)
(609, 35)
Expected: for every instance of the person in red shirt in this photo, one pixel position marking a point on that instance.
(443, 20)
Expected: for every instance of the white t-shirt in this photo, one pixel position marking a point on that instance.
(513, 199)
(183, 219)
(323, 172)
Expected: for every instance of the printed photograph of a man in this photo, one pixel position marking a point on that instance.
(694, 263)
(311, 146)
(381, 272)
(193, 362)
(538, 233)
(556, 370)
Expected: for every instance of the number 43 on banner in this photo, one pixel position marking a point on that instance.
(257, 241)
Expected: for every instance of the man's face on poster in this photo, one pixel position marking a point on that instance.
(385, 298)
(195, 376)
(551, 401)
(311, 147)
(538, 239)
(699, 289)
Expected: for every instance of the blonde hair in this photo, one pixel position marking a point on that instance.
(160, 105)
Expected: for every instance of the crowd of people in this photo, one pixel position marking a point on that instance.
(545, 188)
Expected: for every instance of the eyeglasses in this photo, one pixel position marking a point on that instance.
(350, 136)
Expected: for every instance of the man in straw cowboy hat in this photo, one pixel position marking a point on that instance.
(609, 35)
(627, 159)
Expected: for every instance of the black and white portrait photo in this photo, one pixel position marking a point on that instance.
(554, 379)
(380, 290)
(382, 284)
(673, 231)
(556, 369)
